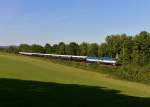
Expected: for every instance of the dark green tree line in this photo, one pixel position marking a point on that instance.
(127, 49)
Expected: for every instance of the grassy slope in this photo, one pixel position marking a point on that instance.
(26, 68)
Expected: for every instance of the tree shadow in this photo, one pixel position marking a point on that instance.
(21, 93)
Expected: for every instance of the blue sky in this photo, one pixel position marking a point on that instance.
(52, 21)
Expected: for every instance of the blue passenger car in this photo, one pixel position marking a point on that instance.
(103, 60)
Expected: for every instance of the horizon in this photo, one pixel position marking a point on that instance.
(49, 21)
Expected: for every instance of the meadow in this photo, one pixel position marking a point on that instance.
(35, 82)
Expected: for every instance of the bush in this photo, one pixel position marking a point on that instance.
(133, 73)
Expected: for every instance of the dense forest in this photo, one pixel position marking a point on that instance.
(127, 49)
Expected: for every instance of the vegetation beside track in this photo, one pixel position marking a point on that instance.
(131, 72)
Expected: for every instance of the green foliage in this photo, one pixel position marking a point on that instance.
(73, 49)
(55, 49)
(103, 50)
(25, 48)
(130, 72)
(127, 72)
(83, 48)
(62, 48)
(141, 49)
(37, 48)
(126, 49)
(12, 49)
(93, 49)
(132, 52)
(48, 48)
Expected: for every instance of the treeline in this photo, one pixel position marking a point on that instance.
(127, 49)
(73, 48)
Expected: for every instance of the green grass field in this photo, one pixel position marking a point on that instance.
(36, 82)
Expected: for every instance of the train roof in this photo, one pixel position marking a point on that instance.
(92, 57)
(101, 58)
(79, 56)
(73, 56)
(108, 58)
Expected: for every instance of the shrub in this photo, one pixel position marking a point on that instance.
(132, 73)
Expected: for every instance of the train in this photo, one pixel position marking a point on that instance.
(88, 59)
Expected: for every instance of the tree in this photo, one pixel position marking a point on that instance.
(114, 43)
(48, 48)
(126, 53)
(55, 49)
(141, 49)
(93, 49)
(25, 48)
(103, 50)
(120, 46)
(13, 49)
(73, 48)
(37, 48)
(67, 50)
(61, 48)
(83, 48)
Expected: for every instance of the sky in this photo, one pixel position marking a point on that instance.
(52, 21)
